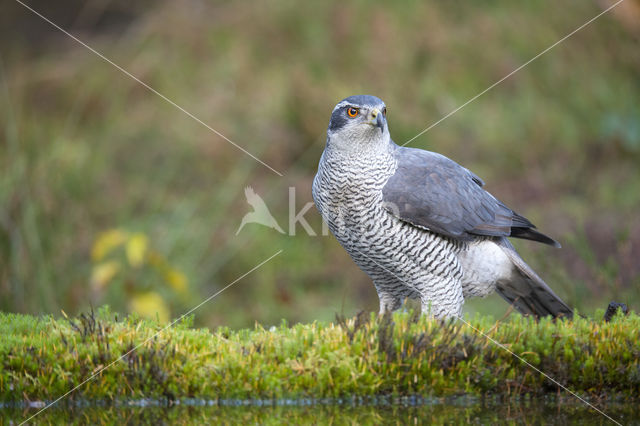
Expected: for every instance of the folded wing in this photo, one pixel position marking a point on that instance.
(433, 192)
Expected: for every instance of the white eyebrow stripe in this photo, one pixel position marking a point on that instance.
(341, 104)
(367, 106)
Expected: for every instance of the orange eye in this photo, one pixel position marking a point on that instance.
(352, 112)
(384, 112)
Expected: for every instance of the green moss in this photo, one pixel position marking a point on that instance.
(404, 354)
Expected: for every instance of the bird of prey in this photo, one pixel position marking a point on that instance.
(260, 213)
(419, 224)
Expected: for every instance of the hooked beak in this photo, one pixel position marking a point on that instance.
(377, 119)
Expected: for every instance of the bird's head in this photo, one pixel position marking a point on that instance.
(358, 123)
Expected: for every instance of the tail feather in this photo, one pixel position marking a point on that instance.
(527, 292)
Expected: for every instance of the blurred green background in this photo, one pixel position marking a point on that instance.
(110, 195)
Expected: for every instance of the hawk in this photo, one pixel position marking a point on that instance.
(419, 224)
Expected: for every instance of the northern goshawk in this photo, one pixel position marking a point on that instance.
(419, 224)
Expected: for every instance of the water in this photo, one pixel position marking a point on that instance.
(336, 412)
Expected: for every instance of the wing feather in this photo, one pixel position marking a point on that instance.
(433, 192)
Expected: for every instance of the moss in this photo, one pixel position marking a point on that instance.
(404, 354)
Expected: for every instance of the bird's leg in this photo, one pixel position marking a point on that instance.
(388, 303)
(443, 304)
(440, 311)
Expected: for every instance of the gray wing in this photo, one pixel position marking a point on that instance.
(433, 192)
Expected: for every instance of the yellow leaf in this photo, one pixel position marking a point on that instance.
(176, 279)
(137, 249)
(102, 273)
(106, 242)
(149, 305)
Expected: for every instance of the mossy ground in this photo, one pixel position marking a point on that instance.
(405, 354)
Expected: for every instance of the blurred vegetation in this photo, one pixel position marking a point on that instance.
(86, 150)
(365, 357)
(123, 277)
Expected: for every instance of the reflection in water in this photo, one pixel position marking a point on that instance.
(451, 411)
